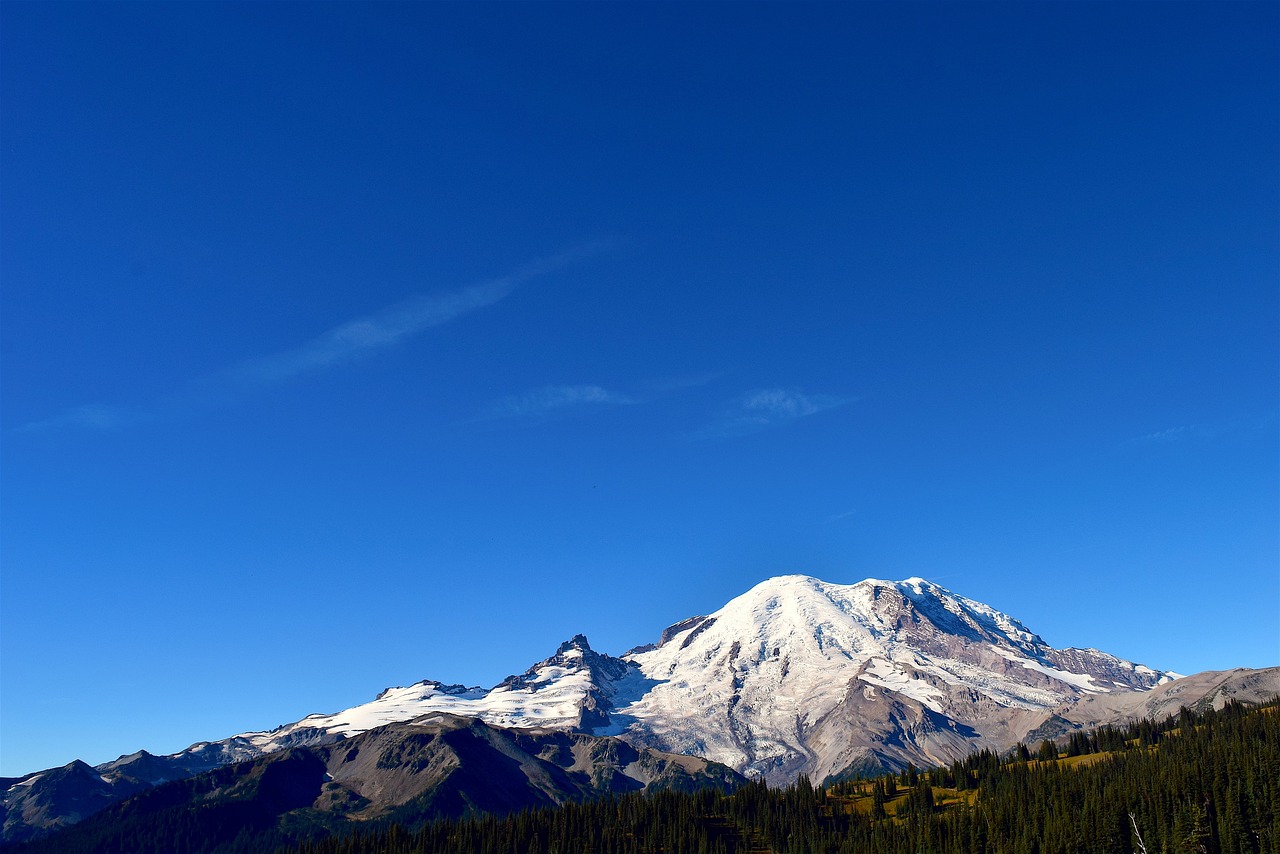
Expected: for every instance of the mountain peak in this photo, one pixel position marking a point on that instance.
(578, 642)
(785, 582)
(798, 582)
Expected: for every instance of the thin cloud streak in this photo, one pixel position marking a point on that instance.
(90, 417)
(346, 343)
(550, 398)
(1175, 434)
(1235, 428)
(540, 401)
(765, 408)
(379, 331)
(394, 324)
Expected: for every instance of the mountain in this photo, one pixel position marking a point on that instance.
(436, 766)
(59, 797)
(794, 676)
(801, 676)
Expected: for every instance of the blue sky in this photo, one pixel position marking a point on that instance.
(350, 345)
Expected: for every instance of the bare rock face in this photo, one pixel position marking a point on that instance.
(873, 729)
(463, 765)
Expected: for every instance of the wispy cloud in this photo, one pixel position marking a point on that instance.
(365, 335)
(91, 417)
(765, 408)
(1234, 428)
(552, 398)
(349, 342)
(1176, 434)
(540, 401)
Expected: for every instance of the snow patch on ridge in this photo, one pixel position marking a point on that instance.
(883, 674)
(1079, 680)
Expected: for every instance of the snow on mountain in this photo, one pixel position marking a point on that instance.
(566, 691)
(748, 684)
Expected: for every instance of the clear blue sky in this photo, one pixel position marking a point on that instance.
(350, 345)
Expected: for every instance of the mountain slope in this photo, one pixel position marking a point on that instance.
(571, 690)
(436, 766)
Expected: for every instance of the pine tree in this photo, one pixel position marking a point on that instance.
(877, 801)
(1196, 838)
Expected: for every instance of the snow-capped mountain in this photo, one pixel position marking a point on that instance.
(571, 690)
(769, 684)
(753, 684)
(794, 676)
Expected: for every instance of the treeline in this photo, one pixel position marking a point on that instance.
(1193, 784)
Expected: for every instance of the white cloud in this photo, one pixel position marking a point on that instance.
(1238, 428)
(783, 403)
(768, 407)
(1173, 434)
(364, 335)
(548, 398)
